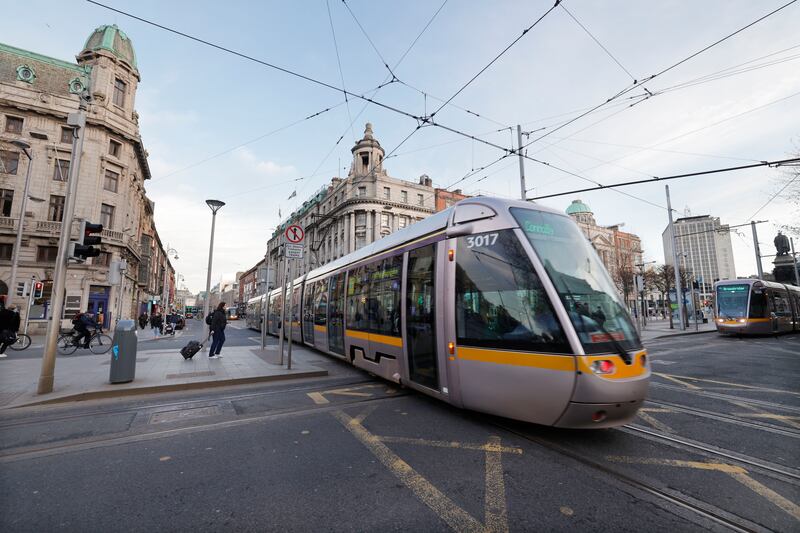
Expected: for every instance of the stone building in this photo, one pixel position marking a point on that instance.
(445, 198)
(704, 250)
(352, 212)
(36, 95)
(620, 251)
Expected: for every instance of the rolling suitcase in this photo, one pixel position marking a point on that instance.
(190, 349)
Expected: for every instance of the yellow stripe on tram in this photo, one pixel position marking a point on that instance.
(549, 362)
(374, 337)
(321, 329)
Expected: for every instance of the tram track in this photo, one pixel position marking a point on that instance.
(723, 417)
(726, 397)
(665, 494)
(782, 473)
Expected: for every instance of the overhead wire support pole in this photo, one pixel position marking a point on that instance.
(757, 250)
(78, 123)
(678, 287)
(523, 190)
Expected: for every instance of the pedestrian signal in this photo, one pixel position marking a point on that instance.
(38, 289)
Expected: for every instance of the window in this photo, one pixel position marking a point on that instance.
(321, 303)
(46, 254)
(500, 301)
(420, 200)
(402, 222)
(384, 220)
(404, 196)
(362, 192)
(6, 199)
(387, 193)
(383, 304)
(56, 211)
(61, 170)
(13, 124)
(6, 249)
(114, 148)
(66, 135)
(107, 216)
(361, 220)
(119, 92)
(9, 162)
(365, 160)
(111, 180)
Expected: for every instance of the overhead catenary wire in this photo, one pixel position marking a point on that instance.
(638, 83)
(778, 163)
(339, 63)
(776, 194)
(498, 56)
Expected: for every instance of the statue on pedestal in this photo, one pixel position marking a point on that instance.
(784, 262)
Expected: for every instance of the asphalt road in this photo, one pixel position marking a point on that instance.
(716, 447)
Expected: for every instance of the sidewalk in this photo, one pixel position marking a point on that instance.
(157, 370)
(655, 329)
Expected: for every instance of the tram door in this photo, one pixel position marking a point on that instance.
(336, 315)
(421, 315)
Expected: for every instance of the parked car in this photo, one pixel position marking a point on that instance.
(181, 323)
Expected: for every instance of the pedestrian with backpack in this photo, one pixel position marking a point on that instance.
(218, 320)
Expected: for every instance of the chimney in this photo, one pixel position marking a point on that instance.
(425, 180)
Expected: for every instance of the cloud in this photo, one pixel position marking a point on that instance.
(263, 167)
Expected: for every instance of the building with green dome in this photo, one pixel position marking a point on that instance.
(619, 250)
(37, 93)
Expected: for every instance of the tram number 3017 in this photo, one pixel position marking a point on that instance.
(477, 241)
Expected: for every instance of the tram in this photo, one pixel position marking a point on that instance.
(754, 306)
(497, 306)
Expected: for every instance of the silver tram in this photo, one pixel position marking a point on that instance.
(492, 305)
(754, 306)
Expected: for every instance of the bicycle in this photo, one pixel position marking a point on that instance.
(99, 343)
(22, 342)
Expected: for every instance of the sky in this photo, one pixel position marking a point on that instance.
(220, 126)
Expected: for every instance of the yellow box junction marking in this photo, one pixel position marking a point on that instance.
(760, 413)
(676, 380)
(643, 413)
(495, 510)
(736, 472)
(320, 399)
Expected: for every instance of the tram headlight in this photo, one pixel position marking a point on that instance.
(603, 366)
(742, 320)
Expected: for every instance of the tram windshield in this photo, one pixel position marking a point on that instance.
(732, 300)
(583, 284)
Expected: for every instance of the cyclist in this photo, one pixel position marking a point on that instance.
(9, 325)
(84, 324)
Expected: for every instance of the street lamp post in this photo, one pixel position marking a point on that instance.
(215, 206)
(12, 289)
(165, 294)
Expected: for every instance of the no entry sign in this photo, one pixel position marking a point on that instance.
(295, 234)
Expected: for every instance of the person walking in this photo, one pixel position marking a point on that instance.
(143, 320)
(9, 326)
(155, 323)
(218, 322)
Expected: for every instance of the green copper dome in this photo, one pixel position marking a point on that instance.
(578, 207)
(114, 40)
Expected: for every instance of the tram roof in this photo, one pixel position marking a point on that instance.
(434, 223)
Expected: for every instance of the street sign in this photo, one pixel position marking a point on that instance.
(295, 234)
(294, 251)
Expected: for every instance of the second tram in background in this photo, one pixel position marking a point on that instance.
(754, 306)
(497, 306)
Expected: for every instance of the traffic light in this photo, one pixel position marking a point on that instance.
(87, 240)
(38, 289)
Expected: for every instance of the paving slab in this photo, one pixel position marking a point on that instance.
(157, 370)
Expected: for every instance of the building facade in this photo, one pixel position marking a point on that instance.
(620, 251)
(36, 95)
(355, 211)
(445, 198)
(704, 250)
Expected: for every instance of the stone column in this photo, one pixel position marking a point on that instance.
(351, 232)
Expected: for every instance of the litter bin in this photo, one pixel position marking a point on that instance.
(123, 352)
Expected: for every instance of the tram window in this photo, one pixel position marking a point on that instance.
(758, 306)
(383, 303)
(357, 296)
(781, 303)
(732, 301)
(321, 303)
(500, 301)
